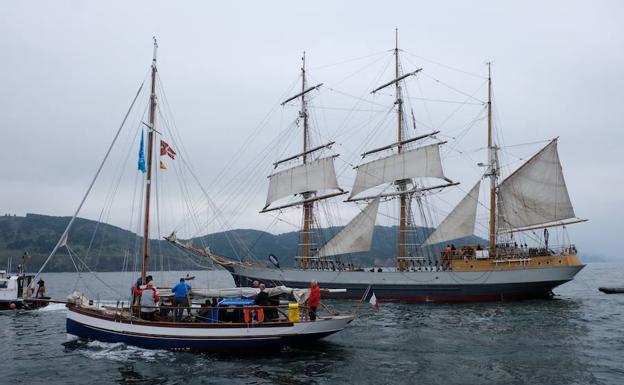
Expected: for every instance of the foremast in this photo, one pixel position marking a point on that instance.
(148, 178)
(493, 167)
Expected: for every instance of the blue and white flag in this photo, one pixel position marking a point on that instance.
(274, 260)
(142, 167)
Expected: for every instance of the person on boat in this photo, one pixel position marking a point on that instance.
(262, 298)
(314, 300)
(205, 313)
(136, 291)
(40, 288)
(149, 301)
(255, 285)
(181, 294)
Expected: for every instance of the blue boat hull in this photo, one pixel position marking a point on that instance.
(191, 344)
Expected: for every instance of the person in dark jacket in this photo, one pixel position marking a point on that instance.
(262, 298)
(136, 291)
(40, 288)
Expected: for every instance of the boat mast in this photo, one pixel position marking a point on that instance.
(307, 206)
(493, 172)
(150, 147)
(401, 185)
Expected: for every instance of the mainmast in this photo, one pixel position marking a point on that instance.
(307, 206)
(150, 147)
(493, 171)
(401, 185)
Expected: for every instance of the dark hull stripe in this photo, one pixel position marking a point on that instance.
(22, 304)
(434, 293)
(190, 344)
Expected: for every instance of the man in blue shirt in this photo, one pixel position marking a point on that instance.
(181, 293)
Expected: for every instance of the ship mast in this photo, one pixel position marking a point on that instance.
(401, 185)
(150, 147)
(493, 171)
(307, 206)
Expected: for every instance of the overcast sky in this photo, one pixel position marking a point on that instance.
(69, 70)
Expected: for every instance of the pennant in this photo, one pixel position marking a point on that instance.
(165, 149)
(163, 166)
(371, 298)
(142, 167)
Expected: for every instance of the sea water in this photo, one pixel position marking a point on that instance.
(577, 338)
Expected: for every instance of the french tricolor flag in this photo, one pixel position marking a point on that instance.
(371, 298)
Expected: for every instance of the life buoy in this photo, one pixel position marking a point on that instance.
(250, 314)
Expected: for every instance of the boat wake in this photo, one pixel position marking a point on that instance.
(53, 307)
(117, 352)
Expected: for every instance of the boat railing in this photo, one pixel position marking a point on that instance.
(230, 314)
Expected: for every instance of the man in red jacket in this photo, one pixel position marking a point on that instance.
(314, 300)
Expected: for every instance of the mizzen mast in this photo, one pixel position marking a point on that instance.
(150, 148)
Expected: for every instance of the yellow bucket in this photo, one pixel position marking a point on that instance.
(293, 312)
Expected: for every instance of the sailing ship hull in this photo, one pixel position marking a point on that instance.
(91, 324)
(421, 286)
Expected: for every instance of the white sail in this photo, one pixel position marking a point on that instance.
(460, 222)
(536, 193)
(317, 175)
(356, 236)
(420, 162)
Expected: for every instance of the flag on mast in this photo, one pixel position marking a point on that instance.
(165, 149)
(142, 167)
(371, 298)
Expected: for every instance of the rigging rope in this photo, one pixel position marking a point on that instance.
(63, 238)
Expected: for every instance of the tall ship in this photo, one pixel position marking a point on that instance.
(525, 203)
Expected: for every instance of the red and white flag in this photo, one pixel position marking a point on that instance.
(165, 149)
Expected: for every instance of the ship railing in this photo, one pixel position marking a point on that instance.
(326, 264)
(508, 251)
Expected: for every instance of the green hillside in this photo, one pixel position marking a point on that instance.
(111, 248)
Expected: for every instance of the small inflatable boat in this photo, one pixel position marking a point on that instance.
(612, 290)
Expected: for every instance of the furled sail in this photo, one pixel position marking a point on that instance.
(419, 162)
(460, 222)
(317, 175)
(356, 236)
(536, 193)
